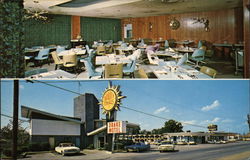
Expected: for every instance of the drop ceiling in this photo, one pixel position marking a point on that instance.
(128, 8)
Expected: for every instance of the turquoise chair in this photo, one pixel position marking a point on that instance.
(166, 44)
(90, 69)
(130, 69)
(42, 55)
(200, 44)
(198, 56)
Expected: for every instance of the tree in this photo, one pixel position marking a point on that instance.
(172, 126)
(23, 135)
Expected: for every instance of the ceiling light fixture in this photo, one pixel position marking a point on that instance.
(36, 13)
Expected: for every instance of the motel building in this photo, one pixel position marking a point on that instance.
(84, 128)
(197, 137)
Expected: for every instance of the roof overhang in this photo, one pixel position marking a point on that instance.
(26, 112)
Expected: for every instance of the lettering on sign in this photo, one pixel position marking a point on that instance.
(116, 127)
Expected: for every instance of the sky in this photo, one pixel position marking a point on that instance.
(199, 102)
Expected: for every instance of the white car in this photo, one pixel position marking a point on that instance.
(166, 146)
(67, 148)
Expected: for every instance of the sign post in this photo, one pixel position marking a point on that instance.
(111, 100)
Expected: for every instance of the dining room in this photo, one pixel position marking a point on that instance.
(133, 39)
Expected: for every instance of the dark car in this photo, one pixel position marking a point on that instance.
(138, 147)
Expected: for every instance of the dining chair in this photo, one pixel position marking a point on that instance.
(91, 71)
(58, 61)
(153, 59)
(182, 60)
(142, 74)
(101, 50)
(166, 45)
(43, 54)
(208, 71)
(130, 69)
(113, 70)
(70, 61)
(198, 56)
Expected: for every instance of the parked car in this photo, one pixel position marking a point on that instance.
(191, 143)
(181, 143)
(138, 147)
(166, 146)
(67, 148)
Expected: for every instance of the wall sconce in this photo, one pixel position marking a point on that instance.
(203, 21)
(150, 26)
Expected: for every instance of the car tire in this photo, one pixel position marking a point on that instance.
(63, 153)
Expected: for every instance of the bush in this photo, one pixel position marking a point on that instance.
(91, 146)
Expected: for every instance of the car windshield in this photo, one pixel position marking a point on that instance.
(67, 145)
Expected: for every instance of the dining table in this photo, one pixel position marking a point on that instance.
(183, 72)
(112, 59)
(56, 74)
(77, 51)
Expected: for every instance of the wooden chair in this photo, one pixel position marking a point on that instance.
(70, 61)
(113, 71)
(56, 59)
(142, 74)
(101, 50)
(208, 71)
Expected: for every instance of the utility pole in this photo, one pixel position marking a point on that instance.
(15, 118)
(248, 120)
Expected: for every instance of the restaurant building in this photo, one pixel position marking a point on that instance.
(83, 129)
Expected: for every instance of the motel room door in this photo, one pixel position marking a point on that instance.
(52, 142)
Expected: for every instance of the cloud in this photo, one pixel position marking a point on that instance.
(215, 120)
(214, 105)
(227, 121)
(160, 110)
(184, 123)
(21, 86)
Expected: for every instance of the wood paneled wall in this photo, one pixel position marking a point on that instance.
(225, 25)
(75, 26)
(247, 38)
(57, 32)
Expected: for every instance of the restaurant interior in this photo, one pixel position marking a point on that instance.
(130, 39)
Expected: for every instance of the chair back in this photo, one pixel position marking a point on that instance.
(87, 48)
(142, 73)
(69, 60)
(199, 53)
(113, 71)
(166, 45)
(101, 50)
(43, 54)
(208, 71)
(89, 67)
(200, 44)
(60, 49)
(183, 59)
(56, 58)
(152, 59)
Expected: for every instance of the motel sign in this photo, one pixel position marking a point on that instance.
(116, 127)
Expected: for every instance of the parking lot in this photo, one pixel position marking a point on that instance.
(185, 152)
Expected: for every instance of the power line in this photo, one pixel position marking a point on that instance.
(12, 117)
(161, 117)
(121, 106)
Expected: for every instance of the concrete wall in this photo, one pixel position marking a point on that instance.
(54, 127)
